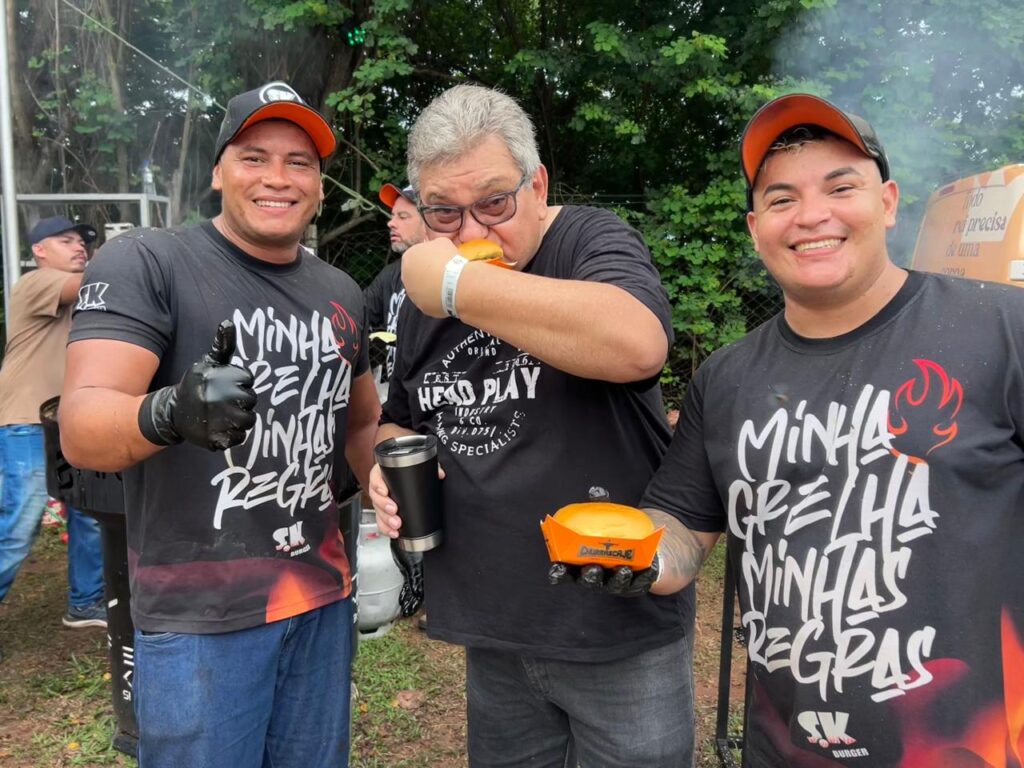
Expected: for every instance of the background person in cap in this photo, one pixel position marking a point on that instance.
(233, 454)
(384, 297)
(539, 382)
(865, 451)
(385, 294)
(33, 372)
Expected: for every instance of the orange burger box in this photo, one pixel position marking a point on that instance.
(601, 533)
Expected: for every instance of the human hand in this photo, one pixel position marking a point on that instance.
(621, 580)
(423, 271)
(212, 406)
(385, 508)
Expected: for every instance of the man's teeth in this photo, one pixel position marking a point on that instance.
(833, 243)
(272, 204)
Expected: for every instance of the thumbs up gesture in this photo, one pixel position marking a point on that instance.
(212, 406)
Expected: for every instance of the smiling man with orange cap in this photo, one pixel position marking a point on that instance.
(233, 453)
(865, 451)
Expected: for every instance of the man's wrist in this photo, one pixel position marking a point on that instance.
(154, 418)
(450, 283)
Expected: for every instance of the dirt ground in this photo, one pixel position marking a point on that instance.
(37, 647)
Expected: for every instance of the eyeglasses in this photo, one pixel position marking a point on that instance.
(488, 211)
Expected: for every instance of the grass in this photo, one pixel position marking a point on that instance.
(407, 710)
(408, 707)
(78, 732)
(385, 667)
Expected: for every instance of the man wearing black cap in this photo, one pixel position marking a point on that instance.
(864, 449)
(233, 453)
(33, 372)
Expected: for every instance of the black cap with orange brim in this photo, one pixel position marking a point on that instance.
(786, 112)
(389, 193)
(274, 101)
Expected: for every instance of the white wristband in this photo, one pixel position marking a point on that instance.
(450, 281)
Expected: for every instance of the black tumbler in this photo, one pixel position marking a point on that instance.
(409, 465)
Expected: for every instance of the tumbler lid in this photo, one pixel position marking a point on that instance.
(406, 451)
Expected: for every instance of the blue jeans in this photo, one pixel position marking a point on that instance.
(273, 695)
(623, 714)
(22, 499)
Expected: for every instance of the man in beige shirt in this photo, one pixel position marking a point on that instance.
(33, 371)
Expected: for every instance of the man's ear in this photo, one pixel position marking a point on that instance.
(752, 226)
(39, 253)
(215, 183)
(539, 188)
(890, 202)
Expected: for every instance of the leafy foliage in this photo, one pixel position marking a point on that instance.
(638, 106)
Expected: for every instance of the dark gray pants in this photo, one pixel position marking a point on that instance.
(541, 713)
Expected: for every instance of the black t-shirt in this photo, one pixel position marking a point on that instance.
(384, 297)
(872, 488)
(220, 541)
(518, 439)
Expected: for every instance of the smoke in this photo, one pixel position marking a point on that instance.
(942, 83)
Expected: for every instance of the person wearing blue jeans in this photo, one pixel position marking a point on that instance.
(234, 454)
(33, 372)
(22, 499)
(289, 678)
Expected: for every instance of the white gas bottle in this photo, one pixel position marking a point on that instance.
(378, 578)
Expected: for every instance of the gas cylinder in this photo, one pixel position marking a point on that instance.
(380, 581)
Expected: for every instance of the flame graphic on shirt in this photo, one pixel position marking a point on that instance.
(931, 403)
(994, 737)
(342, 322)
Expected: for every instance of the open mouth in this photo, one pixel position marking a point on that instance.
(815, 245)
(273, 204)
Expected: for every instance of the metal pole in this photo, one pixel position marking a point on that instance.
(12, 260)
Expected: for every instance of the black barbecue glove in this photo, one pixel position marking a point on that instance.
(411, 565)
(212, 406)
(621, 580)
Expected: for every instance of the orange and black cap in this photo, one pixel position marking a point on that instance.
(389, 193)
(274, 101)
(787, 112)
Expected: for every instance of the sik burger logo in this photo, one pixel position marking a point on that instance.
(278, 91)
(274, 101)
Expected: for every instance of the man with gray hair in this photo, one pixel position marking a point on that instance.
(539, 381)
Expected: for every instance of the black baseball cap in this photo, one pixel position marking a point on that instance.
(58, 225)
(786, 112)
(389, 193)
(274, 101)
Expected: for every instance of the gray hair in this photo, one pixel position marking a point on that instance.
(458, 120)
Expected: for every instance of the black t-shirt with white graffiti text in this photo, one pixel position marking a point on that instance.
(384, 297)
(872, 488)
(518, 439)
(221, 541)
